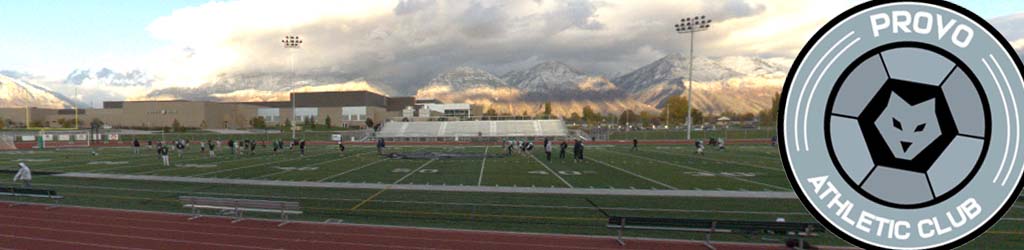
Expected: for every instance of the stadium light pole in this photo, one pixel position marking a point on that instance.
(691, 25)
(291, 43)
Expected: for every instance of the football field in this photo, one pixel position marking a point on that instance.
(517, 192)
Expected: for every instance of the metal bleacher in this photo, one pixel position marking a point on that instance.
(464, 129)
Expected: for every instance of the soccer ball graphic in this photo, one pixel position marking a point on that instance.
(907, 125)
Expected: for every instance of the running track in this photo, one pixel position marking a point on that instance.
(33, 227)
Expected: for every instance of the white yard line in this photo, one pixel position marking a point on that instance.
(351, 170)
(634, 174)
(235, 159)
(414, 171)
(721, 161)
(483, 163)
(271, 174)
(700, 170)
(257, 165)
(550, 170)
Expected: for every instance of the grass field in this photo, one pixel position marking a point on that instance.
(751, 168)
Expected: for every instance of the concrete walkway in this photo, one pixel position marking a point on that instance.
(417, 187)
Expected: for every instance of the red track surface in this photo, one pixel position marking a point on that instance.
(32, 227)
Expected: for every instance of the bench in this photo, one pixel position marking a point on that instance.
(32, 193)
(709, 226)
(239, 206)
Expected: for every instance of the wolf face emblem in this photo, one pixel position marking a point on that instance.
(908, 129)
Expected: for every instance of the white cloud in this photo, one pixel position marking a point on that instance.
(401, 45)
(405, 43)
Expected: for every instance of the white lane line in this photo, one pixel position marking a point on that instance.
(700, 170)
(413, 171)
(109, 235)
(635, 174)
(552, 171)
(257, 165)
(483, 164)
(351, 170)
(68, 242)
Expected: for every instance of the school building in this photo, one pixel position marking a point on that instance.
(343, 108)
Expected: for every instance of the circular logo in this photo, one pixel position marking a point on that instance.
(900, 125)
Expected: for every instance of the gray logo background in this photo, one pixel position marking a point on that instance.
(803, 115)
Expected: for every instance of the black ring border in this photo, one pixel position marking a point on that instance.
(780, 127)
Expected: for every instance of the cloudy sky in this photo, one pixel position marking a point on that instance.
(402, 44)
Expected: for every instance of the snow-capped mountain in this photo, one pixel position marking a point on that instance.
(721, 84)
(551, 75)
(467, 84)
(555, 80)
(737, 84)
(467, 77)
(568, 89)
(16, 92)
(109, 77)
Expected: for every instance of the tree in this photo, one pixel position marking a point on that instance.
(287, 125)
(257, 122)
(369, 122)
(176, 126)
(547, 108)
(675, 111)
(203, 125)
(589, 116)
(628, 117)
(491, 112)
(770, 116)
(66, 123)
(575, 117)
(327, 121)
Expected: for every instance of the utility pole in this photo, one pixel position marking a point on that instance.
(691, 25)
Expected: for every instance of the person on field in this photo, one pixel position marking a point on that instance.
(149, 144)
(252, 147)
(721, 144)
(231, 146)
(24, 174)
(576, 151)
(380, 146)
(635, 145)
(775, 140)
(302, 148)
(511, 145)
(180, 146)
(135, 145)
(211, 144)
(341, 148)
(561, 153)
(162, 150)
(547, 148)
(699, 144)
